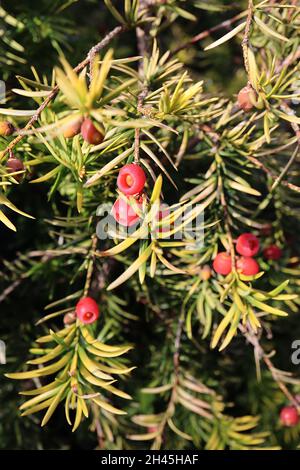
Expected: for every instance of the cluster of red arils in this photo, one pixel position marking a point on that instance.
(247, 245)
(289, 416)
(131, 182)
(89, 131)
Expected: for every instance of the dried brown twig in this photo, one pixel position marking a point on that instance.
(263, 167)
(204, 34)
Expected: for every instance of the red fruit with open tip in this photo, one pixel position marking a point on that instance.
(289, 416)
(131, 179)
(247, 266)
(87, 310)
(90, 133)
(247, 244)
(222, 263)
(272, 252)
(124, 213)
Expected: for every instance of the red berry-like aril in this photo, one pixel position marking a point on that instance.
(131, 179)
(124, 213)
(87, 310)
(90, 133)
(272, 252)
(289, 416)
(247, 244)
(247, 266)
(222, 263)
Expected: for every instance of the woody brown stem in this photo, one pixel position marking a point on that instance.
(245, 42)
(94, 50)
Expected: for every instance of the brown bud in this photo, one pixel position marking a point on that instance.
(73, 128)
(6, 128)
(69, 318)
(205, 273)
(152, 429)
(246, 98)
(13, 165)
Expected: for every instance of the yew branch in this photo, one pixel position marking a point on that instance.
(204, 34)
(94, 50)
